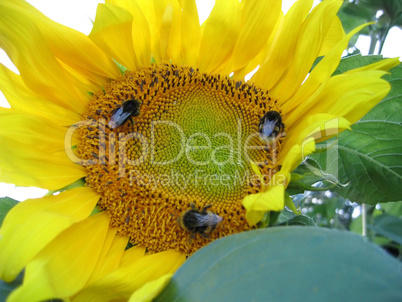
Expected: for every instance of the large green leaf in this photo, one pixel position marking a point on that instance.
(288, 264)
(370, 157)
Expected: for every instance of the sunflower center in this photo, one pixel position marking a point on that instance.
(164, 139)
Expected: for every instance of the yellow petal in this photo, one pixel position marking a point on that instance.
(333, 36)
(293, 158)
(74, 252)
(321, 73)
(149, 9)
(32, 224)
(384, 65)
(170, 33)
(155, 17)
(349, 95)
(151, 289)
(257, 204)
(141, 34)
(261, 57)
(74, 48)
(131, 255)
(258, 21)
(25, 165)
(123, 282)
(110, 256)
(112, 32)
(273, 198)
(30, 53)
(22, 99)
(310, 42)
(317, 126)
(190, 32)
(141, 38)
(219, 36)
(32, 130)
(283, 47)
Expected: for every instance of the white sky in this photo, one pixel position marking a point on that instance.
(78, 14)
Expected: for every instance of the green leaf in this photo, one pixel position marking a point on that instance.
(393, 8)
(369, 158)
(394, 208)
(6, 204)
(376, 4)
(288, 264)
(358, 11)
(388, 226)
(353, 15)
(398, 21)
(357, 61)
(289, 218)
(306, 175)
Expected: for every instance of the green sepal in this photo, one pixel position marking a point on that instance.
(273, 217)
(290, 205)
(95, 211)
(121, 67)
(264, 222)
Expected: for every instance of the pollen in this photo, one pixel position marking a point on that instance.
(193, 143)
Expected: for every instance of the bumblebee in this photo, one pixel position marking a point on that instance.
(125, 112)
(270, 126)
(202, 222)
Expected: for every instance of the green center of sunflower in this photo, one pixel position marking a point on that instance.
(191, 142)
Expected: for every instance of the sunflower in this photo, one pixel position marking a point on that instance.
(149, 118)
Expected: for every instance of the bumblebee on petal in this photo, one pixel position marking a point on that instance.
(271, 126)
(202, 222)
(125, 112)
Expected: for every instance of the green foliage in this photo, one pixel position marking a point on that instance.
(306, 175)
(6, 204)
(388, 226)
(291, 219)
(7, 288)
(288, 264)
(370, 157)
(384, 226)
(392, 8)
(386, 14)
(356, 61)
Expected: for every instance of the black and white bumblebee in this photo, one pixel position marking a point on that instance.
(126, 111)
(202, 222)
(270, 126)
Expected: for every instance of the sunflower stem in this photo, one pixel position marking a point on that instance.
(364, 220)
(373, 43)
(383, 37)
